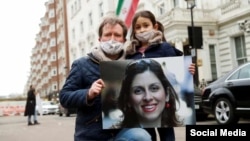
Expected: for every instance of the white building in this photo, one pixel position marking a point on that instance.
(70, 26)
(225, 45)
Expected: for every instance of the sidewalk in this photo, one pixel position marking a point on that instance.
(52, 128)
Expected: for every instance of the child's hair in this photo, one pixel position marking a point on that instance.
(161, 28)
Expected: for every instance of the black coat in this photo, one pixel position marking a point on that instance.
(30, 103)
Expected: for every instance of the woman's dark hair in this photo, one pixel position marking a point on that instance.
(169, 118)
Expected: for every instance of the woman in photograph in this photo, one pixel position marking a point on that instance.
(147, 99)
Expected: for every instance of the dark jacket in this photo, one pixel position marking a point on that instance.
(155, 51)
(83, 73)
(30, 103)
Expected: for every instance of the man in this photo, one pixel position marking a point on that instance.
(83, 86)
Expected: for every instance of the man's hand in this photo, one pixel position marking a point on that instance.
(95, 89)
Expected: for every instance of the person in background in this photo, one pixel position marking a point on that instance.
(147, 98)
(147, 42)
(83, 87)
(203, 84)
(30, 108)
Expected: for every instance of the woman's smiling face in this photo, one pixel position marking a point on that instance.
(147, 96)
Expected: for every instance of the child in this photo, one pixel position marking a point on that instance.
(147, 42)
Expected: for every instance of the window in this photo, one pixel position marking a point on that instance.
(91, 44)
(234, 76)
(76, 7)
(213, 61)
(245, 72)
(53, 57)
(81, 27)
(79, 2)
(54, 72)
(73, 34)
(54, 87)
(101, 9)
(72, 10)
(161, 9)
(240, 49)
(51, 14)
(176, 3)
(242, 73)
(82, 52)
(90, 19)
(52, 43)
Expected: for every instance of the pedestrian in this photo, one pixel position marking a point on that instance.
(30, 107)
(147, 98)
(83, 86)
(203, 84)
(147, 42)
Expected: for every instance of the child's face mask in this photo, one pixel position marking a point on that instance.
(145, 36)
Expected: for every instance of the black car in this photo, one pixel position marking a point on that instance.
(228, 98)
(66, 111)
(200, 114)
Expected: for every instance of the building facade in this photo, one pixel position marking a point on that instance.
(69, 30)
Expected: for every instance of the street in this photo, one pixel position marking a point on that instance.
(52, 128)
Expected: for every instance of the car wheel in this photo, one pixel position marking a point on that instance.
(224, 112)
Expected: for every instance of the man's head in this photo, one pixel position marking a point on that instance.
(112, 28)
(112, 32)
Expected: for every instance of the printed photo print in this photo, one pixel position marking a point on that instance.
(147, 93)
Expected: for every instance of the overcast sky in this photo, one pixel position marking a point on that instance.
(19, 25)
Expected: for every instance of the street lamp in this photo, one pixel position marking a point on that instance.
(191, 5)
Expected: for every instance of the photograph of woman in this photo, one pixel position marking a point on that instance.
(147, 96)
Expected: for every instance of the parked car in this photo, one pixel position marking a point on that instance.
(48, 107)
(200, 114)
(228, 98)
(66, 111)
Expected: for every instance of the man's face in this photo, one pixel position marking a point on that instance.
(112, 33)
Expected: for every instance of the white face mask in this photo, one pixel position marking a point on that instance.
(111, 47)
(145, 36)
